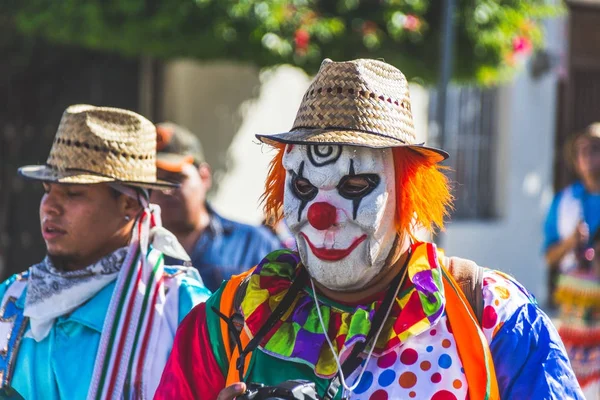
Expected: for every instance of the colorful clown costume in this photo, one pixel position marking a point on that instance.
(425, 350)
(364, 309)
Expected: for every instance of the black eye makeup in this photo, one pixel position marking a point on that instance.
(356, 186)
(302, 188)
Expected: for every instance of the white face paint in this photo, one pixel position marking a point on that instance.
(340, 203)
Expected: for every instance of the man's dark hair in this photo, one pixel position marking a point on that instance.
(116, 194)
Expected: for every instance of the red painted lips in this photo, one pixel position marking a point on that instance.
(333, 254)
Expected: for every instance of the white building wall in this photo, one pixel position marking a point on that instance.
(525, 148)
(513, 242)
(273, 111)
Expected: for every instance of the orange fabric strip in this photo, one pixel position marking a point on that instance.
(473, 353)
(226, 307)
(233, 375)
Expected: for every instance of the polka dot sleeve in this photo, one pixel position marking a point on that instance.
(503, 296)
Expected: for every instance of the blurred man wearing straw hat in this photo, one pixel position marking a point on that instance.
(97, 317)
(363, 308)
(218, 247)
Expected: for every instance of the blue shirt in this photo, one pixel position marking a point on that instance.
(590, 212)
(61, 365)
(228, 248)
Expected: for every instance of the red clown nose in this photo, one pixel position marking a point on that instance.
(322, 215)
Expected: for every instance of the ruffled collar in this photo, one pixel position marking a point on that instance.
(299, 337)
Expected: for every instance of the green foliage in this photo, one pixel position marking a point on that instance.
(492, 36)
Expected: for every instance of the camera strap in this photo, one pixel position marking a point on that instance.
(275, 316)
(353, 361)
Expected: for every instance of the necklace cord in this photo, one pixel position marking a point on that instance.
(397, 284)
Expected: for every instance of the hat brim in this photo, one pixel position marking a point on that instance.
(351, 138)
(80, 177)
(173, 162)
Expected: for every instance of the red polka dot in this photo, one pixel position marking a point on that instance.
(446, 343)
(448, 325)
(432, 332)
(412, 395)
(387, 360)
(409, 357)
(488, 281)
(436, 378)
(443, 395)
(489, 317)
(379, 395)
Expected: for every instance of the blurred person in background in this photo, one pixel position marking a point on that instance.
(97, 317)
(572, 231)
(219, 247)
(282, 231)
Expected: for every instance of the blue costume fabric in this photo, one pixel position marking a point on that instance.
(530, 360)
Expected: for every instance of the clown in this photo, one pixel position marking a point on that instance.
(364, 309)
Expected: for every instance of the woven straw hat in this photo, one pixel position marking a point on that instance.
(101, 144)
(362, 103)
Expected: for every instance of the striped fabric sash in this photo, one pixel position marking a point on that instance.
(130, 320)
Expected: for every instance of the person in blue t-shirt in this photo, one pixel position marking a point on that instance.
(218, 247)
(571, 246)
(574, 215)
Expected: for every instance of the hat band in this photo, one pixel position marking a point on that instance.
(355, 92)
(102, 149)
(346, 129)
(123, 179)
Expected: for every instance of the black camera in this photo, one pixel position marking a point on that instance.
(288, 390)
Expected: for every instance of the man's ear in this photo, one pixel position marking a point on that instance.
(129, 206)
(205, 174)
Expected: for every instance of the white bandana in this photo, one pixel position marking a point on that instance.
(52, 293)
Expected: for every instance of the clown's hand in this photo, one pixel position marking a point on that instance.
(232, 391)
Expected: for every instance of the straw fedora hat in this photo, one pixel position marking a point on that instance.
(101, 144)
(361, 103)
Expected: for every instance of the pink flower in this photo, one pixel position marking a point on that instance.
(302, 39)
(522, 45)
(412, 23)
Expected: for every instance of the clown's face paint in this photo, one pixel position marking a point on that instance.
(339, 202)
